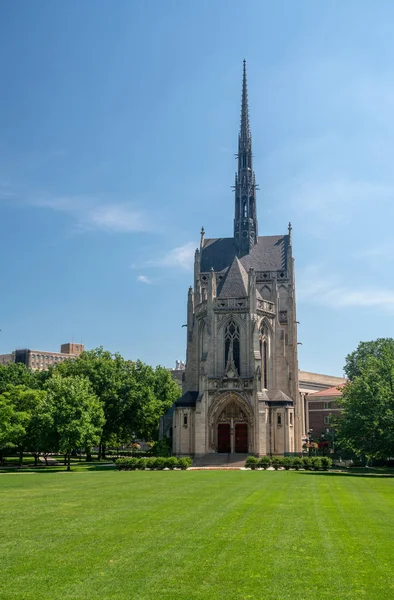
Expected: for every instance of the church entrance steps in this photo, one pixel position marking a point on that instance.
(220, 460)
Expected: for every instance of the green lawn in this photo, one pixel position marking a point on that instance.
(195, 535)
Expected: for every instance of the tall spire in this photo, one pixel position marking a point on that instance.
(244, 133)
(245, 219)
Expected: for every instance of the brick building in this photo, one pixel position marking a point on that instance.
(41, 360)
(320, 406)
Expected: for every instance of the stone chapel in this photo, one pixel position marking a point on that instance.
(240, 387)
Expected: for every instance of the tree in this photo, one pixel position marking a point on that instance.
(157, 393)
(13, 422)
(134, 396)
(77, 413)
(367, 422)
(17, 374)
(356, 360)
(106, 372)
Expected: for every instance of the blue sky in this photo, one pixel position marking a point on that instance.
(119, 125)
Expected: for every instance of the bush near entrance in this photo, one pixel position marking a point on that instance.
(315, 463)
(159, 463)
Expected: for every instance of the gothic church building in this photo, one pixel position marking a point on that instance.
(240, 388)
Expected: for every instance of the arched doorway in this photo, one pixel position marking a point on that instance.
(231, 425)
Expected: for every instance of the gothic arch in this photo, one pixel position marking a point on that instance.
(221, 399)
(230, 410)
(231, 317)
(265, 322)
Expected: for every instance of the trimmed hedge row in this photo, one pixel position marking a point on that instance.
(159, 463)
(309, 463)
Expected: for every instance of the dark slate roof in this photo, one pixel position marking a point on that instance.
(269, 254)
(188, 399)
(235, 282)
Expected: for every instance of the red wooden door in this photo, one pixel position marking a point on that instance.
(241, 437)
(224, 441)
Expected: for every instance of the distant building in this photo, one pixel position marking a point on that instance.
(178, 374)
(41, 360)
(320, 407)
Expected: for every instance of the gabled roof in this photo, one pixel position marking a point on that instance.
(269, 254)
(188, 399)
(333, 391)
(235, 282)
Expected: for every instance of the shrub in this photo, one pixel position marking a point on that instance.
(306, 463)
(316, 463)
(297, 463)
(326, 463)
(131, 464)
(287, 462)
(277, 462)
(160, 463)
(264, 462)
(171, 462)
(185, 462)
(252, 462)
(127, 463)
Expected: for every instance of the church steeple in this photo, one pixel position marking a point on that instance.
(245, 219)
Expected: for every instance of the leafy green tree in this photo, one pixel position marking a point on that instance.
(133, 395)
(356, 360)
(78, 416)
(17, 374)
(156, 393)
(106, 373)
(13, 422)
(367, 423)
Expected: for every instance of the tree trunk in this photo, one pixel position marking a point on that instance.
(21, 457)
(35, 460)
(99, 452)
(68, 461)
(65, 459)
(88, 452)
(103, 449)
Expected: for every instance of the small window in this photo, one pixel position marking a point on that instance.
(185, 420)
(326, 420)
(279, 420)
(291, 418)
(327, 405)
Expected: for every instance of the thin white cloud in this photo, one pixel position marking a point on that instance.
(144, 279)
(180, 257)
(316, 286)
(92, 213)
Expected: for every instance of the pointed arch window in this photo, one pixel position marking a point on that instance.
(231, 345)
(265, 356)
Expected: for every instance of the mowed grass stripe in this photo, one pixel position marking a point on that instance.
(182, 535)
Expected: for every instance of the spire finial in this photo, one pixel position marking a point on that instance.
(245, 131)
(202, 236)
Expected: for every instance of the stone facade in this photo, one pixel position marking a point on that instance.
(240, 388)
